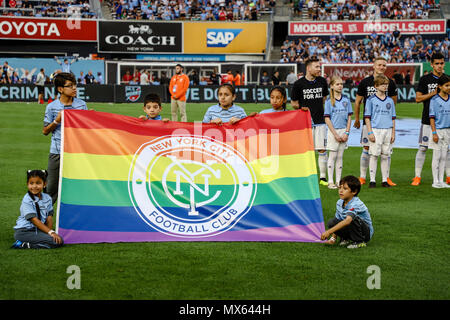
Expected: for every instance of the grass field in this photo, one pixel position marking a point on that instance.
(410, 244)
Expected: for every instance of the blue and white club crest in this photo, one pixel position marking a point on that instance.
(132, 93)
(191, 186)
(388, 106)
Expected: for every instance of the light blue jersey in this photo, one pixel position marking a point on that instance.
(158, 117)
(217, 111)
(28, 211)
(51, 112)
(358, 208)
(271, 110)
(380, 112)
(338, 113)
(440, 111)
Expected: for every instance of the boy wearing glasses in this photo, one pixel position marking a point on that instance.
(66, 86)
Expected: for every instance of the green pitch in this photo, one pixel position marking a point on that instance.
(410, 244)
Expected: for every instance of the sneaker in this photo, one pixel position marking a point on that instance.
(444, 185)
(357, 245)
(385, 185)
(362, 180)
(416, 181)
(344, 243)
(438, 185)
(17, 244)
(323, 181)
(333, 186)
(447, 180)
(372, 184)
(389, 181)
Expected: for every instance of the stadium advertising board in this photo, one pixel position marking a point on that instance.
(220, 37)
(366, 27)
(195, 94)
(48, 29)
(140, 37)
(359, 71)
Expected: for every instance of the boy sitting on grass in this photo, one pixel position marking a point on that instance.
(352, 222)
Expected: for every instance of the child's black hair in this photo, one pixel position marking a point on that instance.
(43, 175)
(152, 97)
(282, 90)
(443, 80)
(61, 78)
(436, 56)
(352, 182)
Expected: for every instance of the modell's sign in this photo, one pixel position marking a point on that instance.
(48, 29)
(140, 37)
(366, 27)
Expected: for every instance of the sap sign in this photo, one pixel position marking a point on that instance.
(221, 37)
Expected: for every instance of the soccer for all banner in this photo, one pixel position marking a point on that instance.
(128, 180)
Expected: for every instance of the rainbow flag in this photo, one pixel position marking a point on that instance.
(124, 179)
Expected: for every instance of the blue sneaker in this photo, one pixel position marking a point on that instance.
(17, 245)
(21, 245)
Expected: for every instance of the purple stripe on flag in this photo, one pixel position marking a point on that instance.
(293, 233)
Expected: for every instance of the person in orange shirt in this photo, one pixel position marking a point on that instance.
(228, 78)
(237, 79)
(178, 87)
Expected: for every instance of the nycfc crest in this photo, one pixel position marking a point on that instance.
(190, 186)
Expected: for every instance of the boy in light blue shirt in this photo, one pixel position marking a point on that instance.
(440, 126)
(352, 221)
(379, 117)
(66, 86)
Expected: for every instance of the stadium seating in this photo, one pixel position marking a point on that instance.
(49, 9)
(201, 10)
(331, 10)
(340, 50)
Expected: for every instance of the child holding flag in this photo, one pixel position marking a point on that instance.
(34, 226)
(278, 99)
(225, 110)
(352, 221)
(152, 108)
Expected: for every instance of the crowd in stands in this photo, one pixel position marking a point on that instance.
(203, 10)
(48, 8)
(332, 10)
(340, 50)
(12, 75)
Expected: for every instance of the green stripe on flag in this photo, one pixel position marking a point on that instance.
(115, 193)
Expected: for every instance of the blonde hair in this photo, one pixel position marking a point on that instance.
(379, 80)
(332, 94)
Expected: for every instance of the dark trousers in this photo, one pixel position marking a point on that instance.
(357, 231)
(36, 238)
(53, 176)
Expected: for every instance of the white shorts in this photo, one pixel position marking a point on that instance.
(364, 137)
(444, 140)
(319, 133)
(425, 135)
(332, 143)
(382, 144)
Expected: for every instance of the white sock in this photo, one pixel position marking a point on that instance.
(447, 164)
(384, 164)
(442, 165)
(331, 161)
(373, 163)
(364, 163)
(420, 160)
(435, 165)
(339, 163)
(323, 164)
(388, 170)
